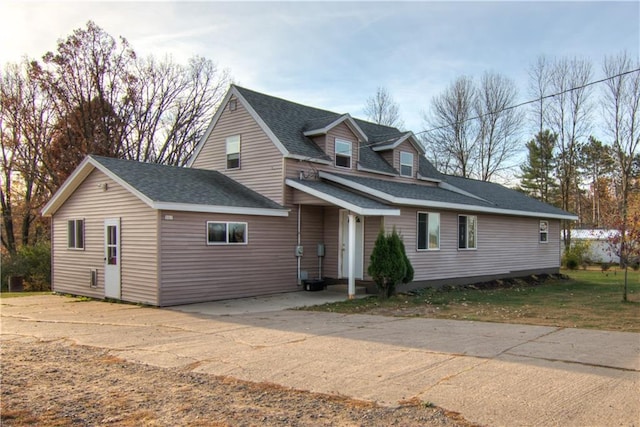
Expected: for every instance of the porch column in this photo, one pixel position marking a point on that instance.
(352, 255)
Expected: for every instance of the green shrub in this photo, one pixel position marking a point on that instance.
(389, 264)
(32, 263)
(576, 255)
(571, 261)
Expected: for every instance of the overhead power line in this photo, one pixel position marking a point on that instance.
(530, 101)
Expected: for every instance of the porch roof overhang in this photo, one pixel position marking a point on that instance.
(343, 198)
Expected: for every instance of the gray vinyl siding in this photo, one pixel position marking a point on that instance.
(407, 148)
(193, 271)
(261, 163)
(311, 234)
(372, 225)
(343, 132)
(504, 245)
(138, 245)
(332, 241)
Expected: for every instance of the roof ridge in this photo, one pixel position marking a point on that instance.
(284, 100)
(330, 112)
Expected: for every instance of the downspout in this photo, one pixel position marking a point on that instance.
(352, 255)
(299, 242)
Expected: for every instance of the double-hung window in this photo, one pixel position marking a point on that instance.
(75, 234)
(233, 152)
(428, 231)
(343, 153)
(467, 231)
(406, 164)
(544, 231)
(223, 233)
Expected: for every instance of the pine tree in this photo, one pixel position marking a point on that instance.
(537, 173)
(389, 264)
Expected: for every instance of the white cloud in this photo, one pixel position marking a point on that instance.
(335, 54)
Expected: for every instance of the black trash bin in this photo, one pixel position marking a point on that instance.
(313, 285)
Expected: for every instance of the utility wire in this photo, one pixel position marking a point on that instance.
(532, 101)
(511, 107)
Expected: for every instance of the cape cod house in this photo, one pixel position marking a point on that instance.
(277, 192)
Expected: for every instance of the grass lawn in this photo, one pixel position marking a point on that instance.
(5, 294)
(589, 299)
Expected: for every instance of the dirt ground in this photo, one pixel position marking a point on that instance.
(57, 384)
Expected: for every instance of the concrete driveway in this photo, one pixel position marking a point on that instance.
(493, 374)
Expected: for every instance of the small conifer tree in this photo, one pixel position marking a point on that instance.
(389, 264)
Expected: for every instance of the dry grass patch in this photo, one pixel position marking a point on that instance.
(586, 299)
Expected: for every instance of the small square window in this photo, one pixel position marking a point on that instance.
(233, 152)
(343, 153)
(75, 234)
(406, 164)
(544, 231)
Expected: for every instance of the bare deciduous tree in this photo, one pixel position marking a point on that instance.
(499, 132)
(25, 125)
(383, 110)
(94, 96)
(539, 83)
(474, 132)
(172, 105)
(568, 114)
(452, 141)
(622, 113)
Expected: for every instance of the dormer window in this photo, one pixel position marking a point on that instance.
(343, 153)
(233, 152)
(406, 164)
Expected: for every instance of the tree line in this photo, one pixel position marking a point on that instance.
(93, 95)
(477, 129)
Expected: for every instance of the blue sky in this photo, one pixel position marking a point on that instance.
(334, 55)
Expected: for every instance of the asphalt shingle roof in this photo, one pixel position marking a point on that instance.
(289, 120)
(173, 184)
(419, 192)
(503, 197)
(344, 194)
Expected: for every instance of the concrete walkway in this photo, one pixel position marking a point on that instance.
(493, 374)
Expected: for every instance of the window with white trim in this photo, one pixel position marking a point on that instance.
(227, 233)
(343, 153)
(544, 231)
(406, 163)
(467, 231)
(428, 231)
(75, 234)
(233, 152)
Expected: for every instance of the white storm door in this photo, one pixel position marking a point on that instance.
(344, 242)
(112, 258)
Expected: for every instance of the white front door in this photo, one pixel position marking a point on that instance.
(112, 258)
(344, 244)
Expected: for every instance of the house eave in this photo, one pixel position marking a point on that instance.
(68, 187)
(365, 169)
(308, 159)
(403, 201)
(345, 118)
(231, 210)
(342, 203)
(427, 179)
(396, 142)
(233, 91)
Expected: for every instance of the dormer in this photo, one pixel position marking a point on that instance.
(402, 152)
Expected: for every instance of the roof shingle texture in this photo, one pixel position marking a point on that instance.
(173, 184)
(343, 194)
(289, 120)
